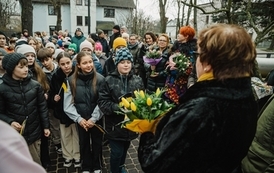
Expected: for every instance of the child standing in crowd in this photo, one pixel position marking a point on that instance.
(109, 64)
(51, 47)
(118, 83)
(69, 135)
(2, 71)
(49, 68)
(37, 74)
(72, 50)
(23, 104)
(87, 47)
(80, 104)
(100, 55)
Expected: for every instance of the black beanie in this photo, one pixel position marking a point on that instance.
(116, 27)
(1, 33)
(10, 61)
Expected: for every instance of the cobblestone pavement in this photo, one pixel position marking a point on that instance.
(132, 163)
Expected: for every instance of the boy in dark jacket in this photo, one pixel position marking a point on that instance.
(23, 104)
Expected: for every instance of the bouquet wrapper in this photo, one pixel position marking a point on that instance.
(143, 125)
(152, 61)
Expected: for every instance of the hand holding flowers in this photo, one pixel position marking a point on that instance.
(144, 110)
(152, 58)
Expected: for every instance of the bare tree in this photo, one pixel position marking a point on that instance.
(57, 8)
(7, 10)
(163, 18)
(26, 14)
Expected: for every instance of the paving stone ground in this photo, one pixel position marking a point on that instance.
(132, 163)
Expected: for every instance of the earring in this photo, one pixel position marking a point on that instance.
(205, 69)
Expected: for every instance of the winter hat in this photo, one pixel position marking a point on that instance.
(10, 61)
(56, 53)
(50, 44)
(72, 46)
(78, 29)
(20, 42)
(60, 43)
(2, 52)
(119, 41)
(117, 27)
(123, 54)
(98, 46)
(25, 48)
(1, 33)
(86, 44)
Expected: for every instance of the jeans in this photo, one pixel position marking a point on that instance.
(118, 154)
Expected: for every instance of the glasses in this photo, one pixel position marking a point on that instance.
(162, 40)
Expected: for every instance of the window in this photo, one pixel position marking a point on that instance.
(86, 20)
(79, 20)
(51, 10)
(109, 13)
(78, 2)
(86, 2)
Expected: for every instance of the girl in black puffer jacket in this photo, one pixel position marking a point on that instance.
(23, 104)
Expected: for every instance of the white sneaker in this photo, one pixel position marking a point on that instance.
(97, 171)
(67, 163)
(77, 163)
(85, 172)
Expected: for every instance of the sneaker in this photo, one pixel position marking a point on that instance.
(58, 149)
(67, 163)
(85, 172)
(123, 170)
(97, 171)
(77, 163)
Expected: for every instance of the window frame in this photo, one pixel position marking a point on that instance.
(79, 2)
(107, 13)
(50, 8)
(78, 20)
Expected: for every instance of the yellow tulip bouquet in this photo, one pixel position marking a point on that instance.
(143, 110)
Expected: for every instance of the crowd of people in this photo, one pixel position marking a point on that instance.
(67, 89)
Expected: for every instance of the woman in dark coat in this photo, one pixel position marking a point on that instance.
(213, 127)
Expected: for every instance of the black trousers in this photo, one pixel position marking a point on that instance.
(44, 151)
(91, 145)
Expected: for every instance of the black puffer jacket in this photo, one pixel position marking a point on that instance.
(85, 99)
(57, 80)
(24, 99)
(209, 133)
(115, 87)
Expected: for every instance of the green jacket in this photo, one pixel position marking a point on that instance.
(78, 40)
(260, 157)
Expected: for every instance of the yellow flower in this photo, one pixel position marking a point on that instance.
(133, 106)
(142, 94)
(149, 101)
(125, 102)
(136, 93)
(158, 91)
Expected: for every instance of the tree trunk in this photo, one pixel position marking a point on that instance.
(27, 15)
(178, 16)
(59, 15)
(163, 18)
(188, 15)
(195, 17)
(271, 47)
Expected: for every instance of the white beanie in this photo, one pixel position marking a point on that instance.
(25, 48)
(50, 44)
(86, 44)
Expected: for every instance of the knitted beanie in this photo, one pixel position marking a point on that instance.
(10, 61)
(123, 54)
(50, 44)
(86, 44)
(25, 48)
(1, 33)
(116, 27)
(119, 41)
(2, 52)
(72, 46)
(98, 46)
